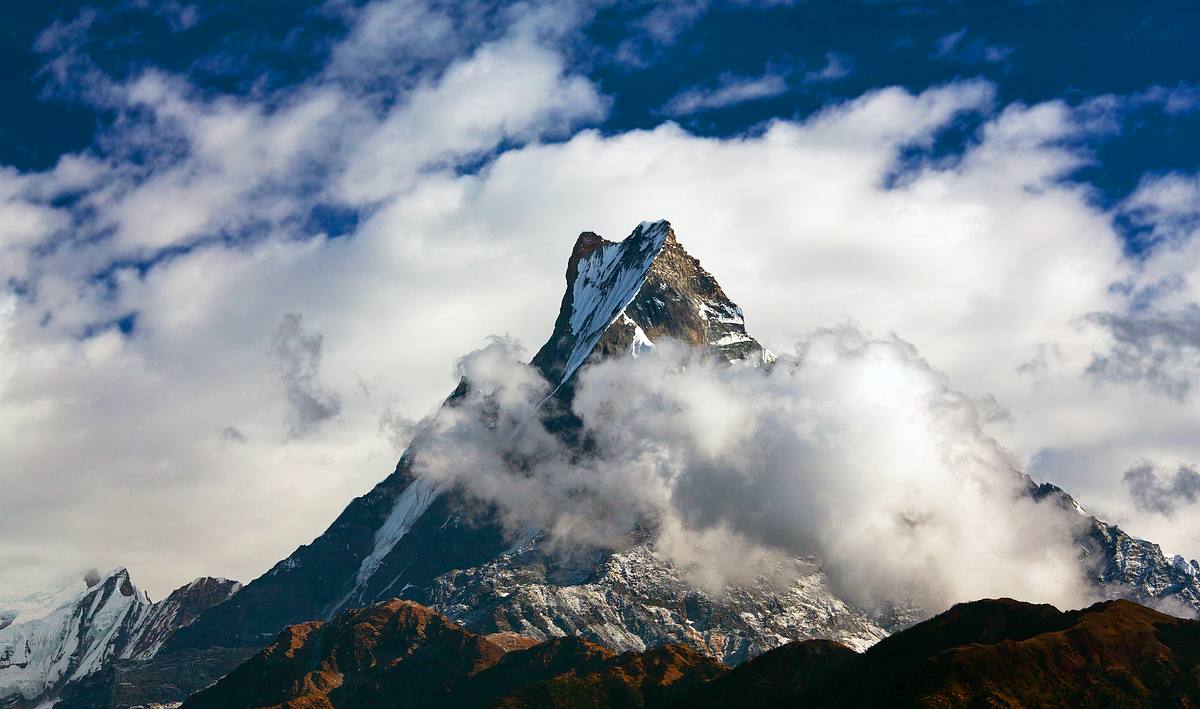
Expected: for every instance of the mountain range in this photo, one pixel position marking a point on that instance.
(107, 620)
(985, 653)
(411, 538)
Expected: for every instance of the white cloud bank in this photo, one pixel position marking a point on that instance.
(117, 447)
(853, 450)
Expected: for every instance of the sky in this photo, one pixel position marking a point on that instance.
(243, 244)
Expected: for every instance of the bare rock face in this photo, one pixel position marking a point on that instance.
(178, 610)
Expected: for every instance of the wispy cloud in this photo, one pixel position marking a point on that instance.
(837, 66)
(959, 47)
(727, 90)
(297, 354)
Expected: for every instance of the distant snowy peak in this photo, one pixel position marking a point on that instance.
(107, 618)
(77, 638)
(623, 296)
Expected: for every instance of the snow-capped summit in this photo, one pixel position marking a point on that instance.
(104, 617)
(623, 296)
(76, 638)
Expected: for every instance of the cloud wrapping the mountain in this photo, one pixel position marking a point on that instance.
(854, 450)
(457, 174)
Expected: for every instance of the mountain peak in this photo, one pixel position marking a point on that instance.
(106, 618)
(656, 233)
(623, 296)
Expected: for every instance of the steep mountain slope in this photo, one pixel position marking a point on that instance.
(108, 619)
(408, 537)
(406, 533)
(985, 653)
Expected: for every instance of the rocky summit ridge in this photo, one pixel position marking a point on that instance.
(625, 296)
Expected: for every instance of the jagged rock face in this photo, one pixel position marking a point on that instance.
(179, 609)
(1138, 570)
(107, 620)
(633, 600)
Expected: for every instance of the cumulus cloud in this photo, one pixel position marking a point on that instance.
(455, 207)
(471, 109)
(1155, 490)
(297, 354)
(854, 450)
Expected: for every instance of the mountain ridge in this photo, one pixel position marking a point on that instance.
(991, 652)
